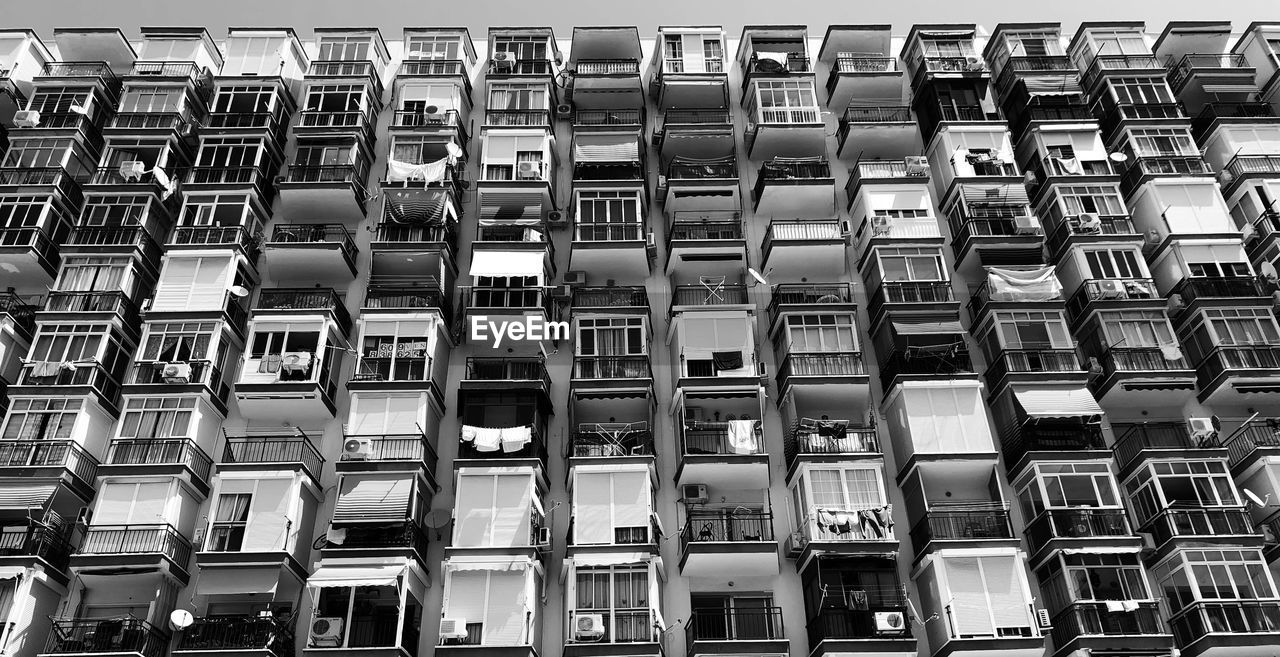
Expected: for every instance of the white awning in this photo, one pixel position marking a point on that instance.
(18, 495)
(1052, 85)
(494, 563)
(606, 148)
(927, 328)
(510, 207)
(334, 576)
(609, 558)
(374, 500)
(507, 263)
(995, 194)
(239, 580)
(1103, 549)
(1057, 402)
(11, 572)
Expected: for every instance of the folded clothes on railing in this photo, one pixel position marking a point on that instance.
(48, 368)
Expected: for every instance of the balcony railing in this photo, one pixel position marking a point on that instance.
(743, 624)
(339, 173)
(324, 299)
(395, 447)
(117, 303)
(701, 295)
(910, 292)
(166, 69)
(362, 536)
(893, 170)
(137, 539)
(713, 65)
(1076, 523)
(610, 117)
(1223, 359)
(693, 118)
(1045, 436)
(611, 367)
(710, 437)
(1034, 360)
(536, 448)
(609, 442)
(1102, 64)
(272, 450)
(781, 230)
(1163, 165)
(395, 232)
(1110, 289)
(421, 119)
(94, 375)
(836, 624)
(81, 70)
(500, 299)
(705, 231)
(316, 234)
(1133, 439)
(379, 296)
(175, 451)
(21, 311)
(1199, 522)
(131, 236)
(114, 635)
(1259, 434)
(1081, 619)
(606, 67)
(1213, 111)
(238, 634)
(740, 527)
(538, 118)
(1182, 69)
(874, 114)
(215, 175)
(1199, 619)
(148, 121)
(49, 454)
(1218, 287)
(610, 297)
(521, 67)
(432, 67)
(810, 437)
(725, 168)
(821, 364)
(243, 120)
(966, 113)
(809, 294)
(975, 521)
(35, 239)
(508, 369)
(1107, 225)
(1245, 164)
(1140, 359)
(341, 68)
(34, 539)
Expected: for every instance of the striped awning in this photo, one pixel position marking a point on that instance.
(374, 500)
(239, 580)
(512, 208)
(347, 576)
(24, 495)
(1067, 84)
(995, 194)
(1243, 88)
(1057, 402)
(507, 263)
(931, 327)
(606, 148)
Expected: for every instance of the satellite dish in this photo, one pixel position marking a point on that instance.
(756, 275)
(1268, 271)
(454, 149)
(181, 619)
(1118, 157)
(1253, 497)
(432, 109)
(238, 290)
(438, 518)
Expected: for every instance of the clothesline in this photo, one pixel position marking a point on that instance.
(490, 439)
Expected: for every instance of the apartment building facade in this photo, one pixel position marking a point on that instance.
(945, 341)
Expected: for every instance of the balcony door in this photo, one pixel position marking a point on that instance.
(737, 618)
(619, 594)
(988, 597)
(251, 515)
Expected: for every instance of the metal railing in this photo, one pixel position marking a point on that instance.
(432, 67)
(1162, 165)
(741, 624)
(94, 375)
(395, 447)
(508, 369)
(506, 298)
(1140, 359)
(137, 539)
(606, 67)
(148, 121)
(1101, 64)
(855, 114)
(114, 635)
(1107, 225)
(1096, 619)
(809, 294)
(342, 68)
(720, 169)
(81, 70)
(273, 449)
(910, 292)
(714, 65)
(165, 68)
(1209, 287)
(610, 117)
(117, 303)
(1181, 70)
(821, 364)
(710, 437)
(781, 230)
(610, 297)
(243, 120)
(1032, 360)
(135, 236)
(1244, 441)
(381, 296)
(405, 534)
(170, 451)
(1222, 359)
(837, 624)
(392, 231)
(517, 118)
(34, 539)
(822, 437)
(521, 67)
(217, 175)
(21, 311)
(45, 453)
(238, 634)
(324, 298)
(740, 527)
(611, 367)
(316, 234)
(693, 117)
(326, 119)
(701, 295)
(1245, 164)
(1199, 619)
(1212, 111)
(960, 64)
(1175, 523)
(1076, 523)
(536, 448)
(984, 521)
(1133, 439)
(594, 444)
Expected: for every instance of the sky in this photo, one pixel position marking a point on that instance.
(391, 16)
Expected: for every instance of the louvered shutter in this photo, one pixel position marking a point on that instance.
(466, 595)
(209, 289)
(630, 499)
(373, 500)
(175, 284)
(591, 511)
(968, 598)
(474, 510)
(506, 608)
(268, 525)
(1009, 607)
(512, 500)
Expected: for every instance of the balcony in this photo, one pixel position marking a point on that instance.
(736, 543)
(43, 181)
(217, 178)
(310, 252)
(1202, 626)
(706, 244)
(1222, 525)
(1136, 443)
(366, 69)
(984, 300)
(879, 131)
(608, 119)
(856, 75)
(1073, 111)
(238, 238)
(103, 305)
(828, 441)
(1214, 114)
(840, 629)
(1113, 294)
(1232, 290)
(1073, 230)
(1105, 65)
(621, 299)
(1210, 70)
(35, 539)
(1013, 227)
(58, 459)
(810, 247)
(872, 172)
(407, 298)
(123, 544)
(436, 68)
(508, 301)
(20, 312)
(697, 134)
(964, 524)
(163, 123)
(1055, 528)
(612, 249)
(914, 296)
(1084, 624)
(795, 187)
(178, 456)
(1243, 167)
(389, 452)
(390, 234)
(374, 539)
(325, 192)
(449, 122)
(740, 630)
(819, 368)
(127, 636)
(785, 132)
(304, 301)
(534, 448)
(265, 635)
(723, 452)
(251, 122)
(1145, 371)
(611, 369)
(611, 444)
(83, 378)
(1059, 364)
(505, 374)
(692, 297)
(256, 451)
(944, 359)
(1234, 371)
(1117, 115)
(28, 256)
(134, 240)
(520, 67)
(1015, 67)
(1145, 168)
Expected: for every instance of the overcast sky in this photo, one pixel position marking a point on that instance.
(391, 16)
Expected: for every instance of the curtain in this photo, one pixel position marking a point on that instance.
(233, 507)
(863, 488)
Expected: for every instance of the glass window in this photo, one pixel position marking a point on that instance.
(160, 417)
(611, 336)
(1113, 264)
(433, 46)
(41, 419)
(229, 522)
(1101, 199)
(911, 265)
(395, 351)
(1139, 328)
(821, 334)
(1242, 326)
(344, 48)
(621, 596)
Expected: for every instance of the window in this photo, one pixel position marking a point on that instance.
(1194, 208)
(68, 343)
(1033, 45)
(259, 55)
(38, 153)
(251, 515)
(1140, 91)
(370, 614)
(417, 97)
(514, 96)
(414, 149)
(384, 415)
(821, 334)
(494, 510)
(222, 210)
(845, 489)
(42, 419)
(1104, 577)
(692, 53)
(114, 211)
(316, 154)
(243, 100)
(1195, 575)
(269, 347)
(1149, 142)
(606, 216)
(619, 594)
(158, 417)
(1181, 484)
(150, 153)
(1032, 330)
(947, 48)
(1242, 326)
(495, 604)
(786, 101)
(58, 100)
(503, 153)
(177, 341)
(1069, 485)
(611, 508)
(1219, 270)
(22, 211)
(1118, 43)
(713, 55)
(1136, 328)
(193, 283)
(1113, 263)
(611, 336)
(910, 265)
(344, 48)
(396, 351)
(229, 152)
(988, 597)
(1103, 200)
(335, 98)
(433, 46)
(945, 419)
(93, 274)
(523, 47)
(130, 503)
(152, 99)
(229, 521)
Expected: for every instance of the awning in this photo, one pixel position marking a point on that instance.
(22, 495)
(1007, 194)
(334, 576)
(609, 558)
(416, 205)
(494, 563)
(11, 572)
(932, 327)
(512, 208)
(1052, 85)
(1243, 88)
(238, 580)
(1104, 549)
(1057, 402)
(374, 500)
(507, 263)
(606, 148)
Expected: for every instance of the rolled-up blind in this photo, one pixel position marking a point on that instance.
(373, 500)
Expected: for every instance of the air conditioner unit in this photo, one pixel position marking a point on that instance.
(890, 622)
(1148, 540)
(1027, 225)
(132, 169)
(176, 372)
(453, 628)
(503, 60)
(880, 225)
(84, 516)
(1111, 289)
(575, 278)
(917, 165)
(650, 241)
(562, 291)
(1090, 222)
(357, 449)
(846, 229)
(973, 63)
(564, 111)
(1153, 236)
(26, 119)
(762, 369)
(555, 218)
(528, 171)
(694, 494)
(856, 599)
(326, 631)
(544, 537)
(1042, 618)
(588, 627)
(1202, 430)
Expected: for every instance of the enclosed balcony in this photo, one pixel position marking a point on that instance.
(117, 307)
(77, 379)
(1191, 526)
(694, 74)
(795, 187)
(790, 128)
(1100, 626)
(507, 374)
(128, 636)
(1147, 168)
(1136, 443)
(395, 295)
(311, 252)
(29, 256)
(1108, 65)
(728, 543)
(370, 539)
(120, 545)
(1210, 628)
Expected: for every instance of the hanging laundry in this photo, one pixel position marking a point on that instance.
(1129, 605)
(484, 439)
(825, 519)
(1115, 605)
(515, 438)
(430, 172)
(167, 184)
(844, 522)
(1171, 351)
(1069, 165)
(270, 364)
(871, 526)
(885, 515)
(43, 369)
(742, 436)
(727, 360)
